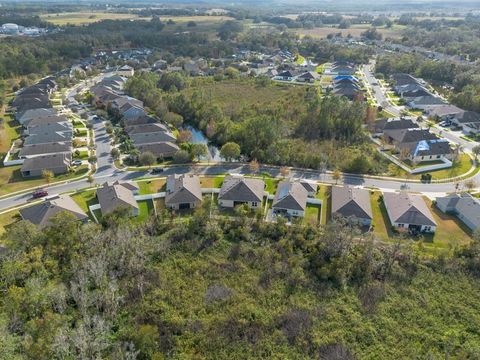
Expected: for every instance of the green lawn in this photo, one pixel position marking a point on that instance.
(10, 130)
(151, 186)
(312, 214)
(83, 155)
(271, 185)
(11, 179)
(8, 219)
(80, 132)
(324, 194)
(382, 228)
(146, 209)
(300, 59)
(460, 167)
(210, 182)
(85, 199)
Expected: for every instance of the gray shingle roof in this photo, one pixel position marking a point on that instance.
(290, 196)
(405, 208)
(310, 186)
(239, 188)
(114, 196)
(46, 162)
(146, 128)
(163, 148)
(151, 138)
(51, 148)
(183, 189)
(463, 204)
(349, 201)
(42, 213)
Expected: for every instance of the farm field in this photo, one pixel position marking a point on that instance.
(354, 30)
(86, 17)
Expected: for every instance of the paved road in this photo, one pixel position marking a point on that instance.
(377, 91)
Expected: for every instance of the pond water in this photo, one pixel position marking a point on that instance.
(198, 137)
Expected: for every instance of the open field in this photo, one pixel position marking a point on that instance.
(355, 31)
(236, 96)
(86, 17)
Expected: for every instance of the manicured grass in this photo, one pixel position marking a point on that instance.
(85, 199)
(323, 193)
(83, 155)
(80, 132)
(77, 124)
(300, 59)
(451, 232)
(271, 185)
(9, 130)
(146, 209)
(8, 219)
(11, 179)
(210, 182)
(382, 228)
(460, 167)
(312, 214)
(151, 186)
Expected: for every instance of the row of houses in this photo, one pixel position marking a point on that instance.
(46, 142)
(146, 132)
(414, 92)
(415, 144)
(416, 95)
(347, 86)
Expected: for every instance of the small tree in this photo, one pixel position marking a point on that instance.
(470, 185)
(92, 159)
(174, 119)
(47, 175)
(146, 159)
(90, 179)
(476, 151)
(181, 157)
(284, 171)
(230, 151)
(115, 153)
(199, 150)
(184, 136)
(337, 175)
(254, 166)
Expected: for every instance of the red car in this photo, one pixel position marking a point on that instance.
(39, 193)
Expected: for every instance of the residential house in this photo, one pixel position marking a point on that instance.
(131, 112)
(26, 116)
(408, 138)
(290, 199)
(44, 149)
(464, 206)
(465, 118)
(126, 71)
(47, 137)
(425, 102)
(238, 190)
(431, 150)
(392, 128)
(117, 195)
(47, 120)
(165, 149)
(145, 128)
(310, 186)
(56, 163)
(42, 214)
(353, 204)
(64, 127)
(183, 192)
(409, 212)
(151, 138)
(443, 112)
(285, 76)
(308, 77)
(142, 120)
